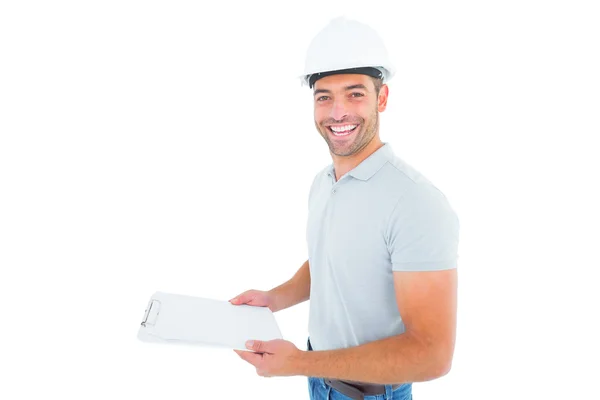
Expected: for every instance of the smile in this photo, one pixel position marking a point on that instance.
(342, 130)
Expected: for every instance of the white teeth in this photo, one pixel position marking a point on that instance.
(343, 128)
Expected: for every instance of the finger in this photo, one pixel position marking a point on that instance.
(252, 358)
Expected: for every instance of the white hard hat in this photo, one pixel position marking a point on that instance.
(346, 45)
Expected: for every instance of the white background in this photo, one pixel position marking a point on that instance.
(168, 146)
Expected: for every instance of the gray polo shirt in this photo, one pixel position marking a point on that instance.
(380, 217)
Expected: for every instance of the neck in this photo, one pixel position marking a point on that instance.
(343, 164)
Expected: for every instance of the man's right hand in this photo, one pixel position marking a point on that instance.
(256, 298)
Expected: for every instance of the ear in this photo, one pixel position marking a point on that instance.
(383, 97)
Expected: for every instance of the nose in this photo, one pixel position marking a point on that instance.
(338, 110)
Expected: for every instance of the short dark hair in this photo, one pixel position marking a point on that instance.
(378, 83)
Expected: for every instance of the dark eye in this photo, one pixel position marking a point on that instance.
(356, 94)
(322, 98)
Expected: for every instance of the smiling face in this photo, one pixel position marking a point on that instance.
(347, 110)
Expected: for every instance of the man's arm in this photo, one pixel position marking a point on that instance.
(427, 303)
(294, 291)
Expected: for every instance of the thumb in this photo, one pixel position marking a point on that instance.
(238, 299)
(257, 345)
(242, 298)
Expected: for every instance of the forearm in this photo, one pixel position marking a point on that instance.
(294, 291)
(397, 359)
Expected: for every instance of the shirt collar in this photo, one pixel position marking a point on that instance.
(370, 165)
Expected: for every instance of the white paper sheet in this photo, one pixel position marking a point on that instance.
(180, 319)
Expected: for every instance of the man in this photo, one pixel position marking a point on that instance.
(382, 243)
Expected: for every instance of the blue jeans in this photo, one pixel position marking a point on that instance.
(319, 390)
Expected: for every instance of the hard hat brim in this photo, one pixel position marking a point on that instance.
(370, 71)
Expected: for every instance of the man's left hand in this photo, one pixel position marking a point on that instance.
(273, 358)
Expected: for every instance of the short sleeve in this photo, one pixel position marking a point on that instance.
(423, 231)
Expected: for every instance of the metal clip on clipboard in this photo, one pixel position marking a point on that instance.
(151, 313)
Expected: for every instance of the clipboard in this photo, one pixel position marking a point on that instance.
(180, 319)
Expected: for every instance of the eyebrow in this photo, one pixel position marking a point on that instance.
(357, 86)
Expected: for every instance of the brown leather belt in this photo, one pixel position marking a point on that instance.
(353, 389)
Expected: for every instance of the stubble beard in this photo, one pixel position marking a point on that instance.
(361, 138)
